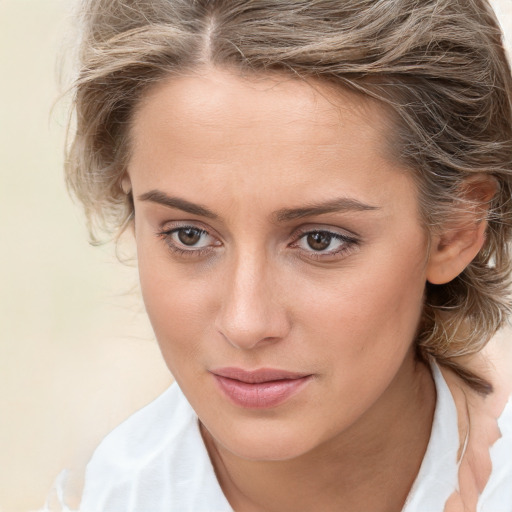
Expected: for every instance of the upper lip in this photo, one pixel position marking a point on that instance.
(259, 375)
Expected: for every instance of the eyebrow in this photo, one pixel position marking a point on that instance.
(339, 205)
(156, 196)
(284, 215)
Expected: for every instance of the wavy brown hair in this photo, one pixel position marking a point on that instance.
(438, 66)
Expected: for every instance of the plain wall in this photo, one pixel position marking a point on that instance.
(77, 355)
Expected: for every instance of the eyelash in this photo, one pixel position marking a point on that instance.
(349, 243)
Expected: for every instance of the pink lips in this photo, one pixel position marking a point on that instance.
(259, 389)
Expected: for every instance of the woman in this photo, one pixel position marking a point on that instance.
(320, 197)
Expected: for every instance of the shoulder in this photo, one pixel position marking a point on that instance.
(155, 460)
(145, 432)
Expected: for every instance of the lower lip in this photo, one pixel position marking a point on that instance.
(260, 395)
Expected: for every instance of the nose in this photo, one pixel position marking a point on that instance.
(251, 313)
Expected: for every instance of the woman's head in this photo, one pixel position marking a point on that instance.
(436, 69)
(291, 245)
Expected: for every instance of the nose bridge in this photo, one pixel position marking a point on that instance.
(250, 312)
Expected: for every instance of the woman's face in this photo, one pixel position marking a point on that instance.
(281, 256)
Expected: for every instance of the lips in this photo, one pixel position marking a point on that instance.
(258, 389)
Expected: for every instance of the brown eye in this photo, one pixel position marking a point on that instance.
(189, 236)
(324, 244)
(189, 240)
(319, 240)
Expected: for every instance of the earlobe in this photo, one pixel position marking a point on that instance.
(463, 237)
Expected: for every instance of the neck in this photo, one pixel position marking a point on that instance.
(370, 466)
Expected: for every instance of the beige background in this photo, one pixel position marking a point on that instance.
(76, 353)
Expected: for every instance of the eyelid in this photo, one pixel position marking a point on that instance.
(169, 225)
(336, 231)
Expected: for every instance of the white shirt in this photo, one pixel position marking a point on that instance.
(156, 461)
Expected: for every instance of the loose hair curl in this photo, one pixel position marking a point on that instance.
(438, 66)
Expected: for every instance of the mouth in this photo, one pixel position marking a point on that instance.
(259, 389)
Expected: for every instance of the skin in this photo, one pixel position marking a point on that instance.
(252, 293)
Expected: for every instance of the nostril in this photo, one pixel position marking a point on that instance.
(246, 340)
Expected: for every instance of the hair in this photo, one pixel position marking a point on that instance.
(438, 67)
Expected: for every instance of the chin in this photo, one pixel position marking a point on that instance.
(264, 443)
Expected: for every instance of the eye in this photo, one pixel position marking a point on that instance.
(192, 240)
(323, 243)
(190, 236)
(319, 241)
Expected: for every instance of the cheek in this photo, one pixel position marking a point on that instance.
(360, 329)
(178, 305)
(366, 315)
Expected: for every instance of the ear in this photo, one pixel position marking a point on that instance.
(462, 236)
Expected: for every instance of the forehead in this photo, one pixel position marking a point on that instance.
(215, 134)
(221, 103)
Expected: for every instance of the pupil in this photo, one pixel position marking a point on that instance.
(189, 236)
(319, 241)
